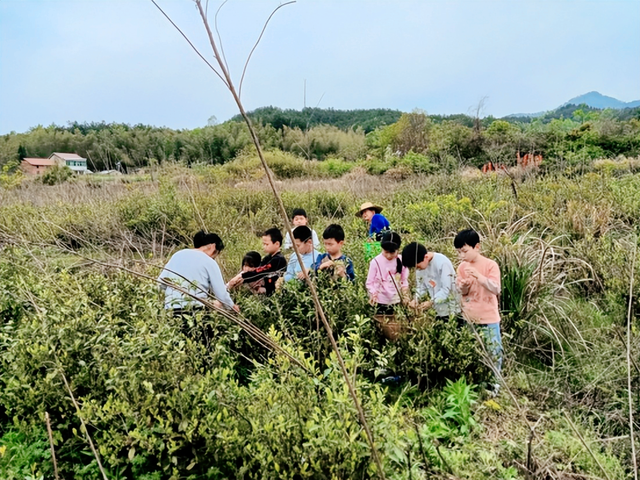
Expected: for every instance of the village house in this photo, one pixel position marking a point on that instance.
(71, 160)
(37, 166)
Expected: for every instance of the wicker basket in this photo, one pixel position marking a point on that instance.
(391, 328)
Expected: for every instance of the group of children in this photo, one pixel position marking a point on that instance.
(266, 274)
(471, 291)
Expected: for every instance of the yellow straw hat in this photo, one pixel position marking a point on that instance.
(368, 206)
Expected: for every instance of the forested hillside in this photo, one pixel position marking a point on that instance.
(377, 137)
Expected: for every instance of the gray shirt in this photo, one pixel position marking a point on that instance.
(439, 281)
(196, 272)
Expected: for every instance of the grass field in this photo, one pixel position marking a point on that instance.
(158, 404)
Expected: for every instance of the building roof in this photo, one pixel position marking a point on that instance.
(67, 156)
(40, 162)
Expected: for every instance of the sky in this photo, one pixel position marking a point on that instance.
(122, 61)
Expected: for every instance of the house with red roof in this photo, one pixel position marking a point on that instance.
(36, 166)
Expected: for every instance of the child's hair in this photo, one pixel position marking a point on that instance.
(413, 253)
(298, 211)
(334, 231)
(390, 241)
(302, 233)
(202, 239)
(466, 237)
(251, 260)
(274, 234)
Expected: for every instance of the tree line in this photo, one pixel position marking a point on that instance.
(576, 135)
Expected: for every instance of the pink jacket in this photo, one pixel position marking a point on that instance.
(480, 303)
(385, 281)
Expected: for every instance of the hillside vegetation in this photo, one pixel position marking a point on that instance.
(78, 304)
(569, 137)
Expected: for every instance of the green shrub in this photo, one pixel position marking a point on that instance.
(25, 456)
(163, 218)
(56, 175)
(335, 167)
(417, 163)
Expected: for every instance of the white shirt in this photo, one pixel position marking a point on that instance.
(439, 281)
(196, 272)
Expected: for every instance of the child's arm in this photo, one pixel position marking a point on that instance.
(290, 274)
(404, 284)
(351, 274)
(490, 282)
(372, 282)
(463, 282)
(447, 276)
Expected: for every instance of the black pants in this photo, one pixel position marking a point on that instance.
(382, 309)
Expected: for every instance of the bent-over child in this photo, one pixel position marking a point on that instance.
(436, 277)
(334, 262)
(387, 280)
(250, 262)
(271, 267)
(304, 243)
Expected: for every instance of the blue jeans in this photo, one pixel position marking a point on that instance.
(493, 342)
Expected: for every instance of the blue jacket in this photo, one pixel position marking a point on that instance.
(351, 274)
(379, 224)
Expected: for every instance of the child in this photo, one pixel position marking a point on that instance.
(479, 284)
(334, 261)
(298, 218)
(304, 243)
(271, 266)
(387, 280)
(250, 262)
(434, 275)
(378, 224)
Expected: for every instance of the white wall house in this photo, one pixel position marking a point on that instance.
(71, 160)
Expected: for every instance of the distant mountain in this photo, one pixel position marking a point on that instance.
(597, 100)
(594, 100)
(525, 115)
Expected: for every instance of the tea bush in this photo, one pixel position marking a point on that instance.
(161, 404)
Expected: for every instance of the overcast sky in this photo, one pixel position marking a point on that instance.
(122, 61)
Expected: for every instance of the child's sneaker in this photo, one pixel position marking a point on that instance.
(392, 380)
(493, 390)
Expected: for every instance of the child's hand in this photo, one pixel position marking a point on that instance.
(301, 275)
(472, 272)
(235, 281)
(466, 282)
(326, 264)
(373, 299)
(426, 305)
